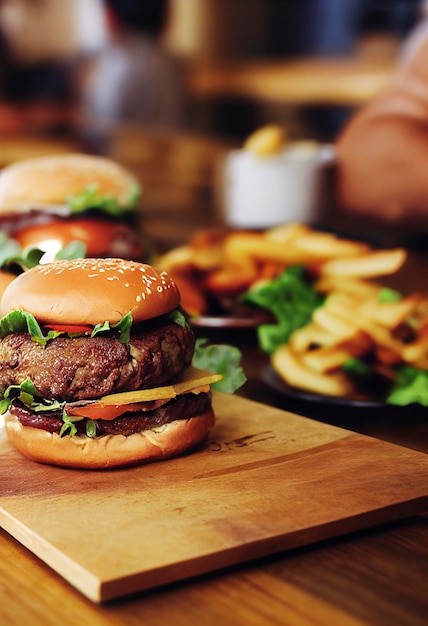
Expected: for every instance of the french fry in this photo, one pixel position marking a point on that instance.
(233, 278)
(286, 232)
(325, 359)
(192, 299)
(267, 140)
(175, 259)
(295, 373)
(357, 287)
(376, 263)
(318, 245)
(386, 356)
(416, 353)
(347, 314)
(390, 314)
(257, 246)
(339, 327)
(311, 335)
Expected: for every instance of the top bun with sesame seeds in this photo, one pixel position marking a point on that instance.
(91, 291)
(95, 366)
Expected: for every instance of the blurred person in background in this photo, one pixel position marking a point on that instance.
(133, 77)
(383, 150)
(352, 28)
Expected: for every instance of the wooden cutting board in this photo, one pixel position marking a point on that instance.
(266, 481)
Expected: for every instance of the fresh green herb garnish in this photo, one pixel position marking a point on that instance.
(292, 300)
(220, 359)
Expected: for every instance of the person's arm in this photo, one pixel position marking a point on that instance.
(383, 151)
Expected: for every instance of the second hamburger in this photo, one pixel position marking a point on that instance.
(47, 202)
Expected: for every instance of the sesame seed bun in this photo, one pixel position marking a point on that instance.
(108, 451)
(39, 182)
(90, 291)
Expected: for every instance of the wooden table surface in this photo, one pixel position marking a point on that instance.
(349, 81)
(374, 577)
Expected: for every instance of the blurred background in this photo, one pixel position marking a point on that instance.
(62, 60)
(129, 78)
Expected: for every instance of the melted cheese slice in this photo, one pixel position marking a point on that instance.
(191, 380)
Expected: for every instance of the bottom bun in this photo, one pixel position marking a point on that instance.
(108, 451)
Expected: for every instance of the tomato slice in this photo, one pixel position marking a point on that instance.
(70, 328)
(98, 411)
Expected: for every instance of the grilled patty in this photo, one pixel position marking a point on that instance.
(182, 407)
(83, 368)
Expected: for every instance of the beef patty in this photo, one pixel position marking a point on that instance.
(183, 407)
(83, 368)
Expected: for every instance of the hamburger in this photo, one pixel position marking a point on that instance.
(95, 366)
(50, 201)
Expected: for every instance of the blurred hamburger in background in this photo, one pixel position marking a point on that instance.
(14, 259)
(48, 202)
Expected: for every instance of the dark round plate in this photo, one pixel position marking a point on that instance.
(272, 380)
(224, 321)
(244, 319)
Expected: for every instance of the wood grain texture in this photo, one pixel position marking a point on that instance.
(266, 481)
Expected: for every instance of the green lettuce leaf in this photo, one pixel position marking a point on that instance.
(291, 298)
(122, 327)
(220, 359)
(13, 256)
(386, 294)
(177, 317)
(9, 249)
(357, 368)
(19, 321)
(17, 259)
(411, 386)
(68, 427)
(89, 198)
(74, 250)
(27, 393)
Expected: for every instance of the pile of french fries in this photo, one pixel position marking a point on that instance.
(353, 321)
